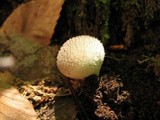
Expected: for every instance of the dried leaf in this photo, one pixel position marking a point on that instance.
(12, 104)
(36, 20)
(64, 108)
(117, 47)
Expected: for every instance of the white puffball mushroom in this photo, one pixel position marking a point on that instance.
(80, 57)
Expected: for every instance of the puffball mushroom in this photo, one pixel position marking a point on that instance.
(80, 57)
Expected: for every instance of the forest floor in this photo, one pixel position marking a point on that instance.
(126, 89)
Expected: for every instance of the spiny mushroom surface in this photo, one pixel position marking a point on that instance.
(80, 57)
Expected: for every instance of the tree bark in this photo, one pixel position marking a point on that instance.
(79, 17)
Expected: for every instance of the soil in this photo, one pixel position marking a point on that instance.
(126, 89)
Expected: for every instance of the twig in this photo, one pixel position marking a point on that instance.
(82, 112)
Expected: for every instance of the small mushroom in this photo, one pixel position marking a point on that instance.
(80, 57)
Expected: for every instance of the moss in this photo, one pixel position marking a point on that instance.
(104, 1)
(28, 61)
(36, 61)
(33, 60)
(6, 80)
(22, 47)
(103, 21)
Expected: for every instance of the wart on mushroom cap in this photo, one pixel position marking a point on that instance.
(80, 57)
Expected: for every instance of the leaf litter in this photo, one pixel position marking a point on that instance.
(25, 36)
(12, 104)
